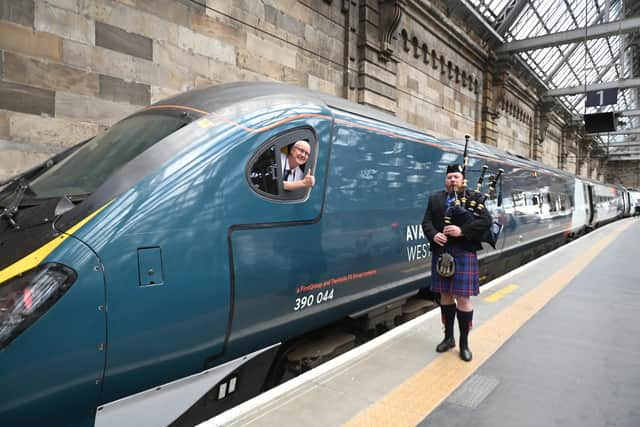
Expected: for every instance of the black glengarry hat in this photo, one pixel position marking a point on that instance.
(455, 168)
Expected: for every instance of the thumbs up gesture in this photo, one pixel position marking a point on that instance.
(309, 180)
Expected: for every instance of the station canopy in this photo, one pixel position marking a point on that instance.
(582, 61)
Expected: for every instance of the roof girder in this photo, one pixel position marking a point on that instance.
(565, 37)
(510, 16)
(575, 90)
(617, 132)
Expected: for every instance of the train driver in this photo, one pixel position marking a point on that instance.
(293, 178)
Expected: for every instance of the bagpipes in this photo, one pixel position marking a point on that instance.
(468, 205)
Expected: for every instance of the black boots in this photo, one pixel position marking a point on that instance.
(465, 319)
(448, 313)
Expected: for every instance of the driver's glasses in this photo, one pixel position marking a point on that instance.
(302, 151)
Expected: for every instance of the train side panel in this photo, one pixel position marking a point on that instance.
(366, 247)
(293, 276)
(607, 203)
(538, 205)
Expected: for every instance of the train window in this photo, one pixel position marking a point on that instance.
(564, 201)
(264, 172)
(551, 199)
(92, 164)
(269, 168)
(518, 199)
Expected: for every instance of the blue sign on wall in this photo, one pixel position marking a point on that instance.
(597, 98)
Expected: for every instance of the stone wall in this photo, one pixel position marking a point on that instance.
(515, 126)
(439, 77)
(71, 68)
(570, 162)
(583, 169)
(624, 172)
(552, 142)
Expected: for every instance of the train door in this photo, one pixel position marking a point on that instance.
(581, 209)
(275, 242)
(592, 204)
(627, 203)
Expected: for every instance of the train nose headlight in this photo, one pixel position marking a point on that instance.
(24, 298)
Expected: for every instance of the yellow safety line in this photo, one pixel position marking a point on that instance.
(409, 403)
(34, 258)
(498, 295)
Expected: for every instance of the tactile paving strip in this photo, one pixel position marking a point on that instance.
(473, 391)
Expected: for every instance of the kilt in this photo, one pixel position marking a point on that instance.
(466, 280)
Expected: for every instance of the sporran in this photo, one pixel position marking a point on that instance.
(446, 265)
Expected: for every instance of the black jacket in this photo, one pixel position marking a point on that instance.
(433, 223)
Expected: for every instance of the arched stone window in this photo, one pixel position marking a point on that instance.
(405, 40)
(416, 50)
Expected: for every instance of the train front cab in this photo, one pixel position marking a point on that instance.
(55, 367)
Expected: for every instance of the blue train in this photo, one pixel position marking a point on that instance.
(159, 273)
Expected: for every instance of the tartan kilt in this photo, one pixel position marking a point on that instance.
(466, 280)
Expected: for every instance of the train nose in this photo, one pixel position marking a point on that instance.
(52, 336)
(27, 296)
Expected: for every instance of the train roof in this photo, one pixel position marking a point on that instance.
(225, 95)
(218, 97)
(498, 153)
(593, 181)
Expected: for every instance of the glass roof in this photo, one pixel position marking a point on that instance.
(572, 64)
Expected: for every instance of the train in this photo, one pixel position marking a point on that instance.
(159, 273)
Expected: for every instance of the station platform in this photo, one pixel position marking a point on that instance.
(555, 343)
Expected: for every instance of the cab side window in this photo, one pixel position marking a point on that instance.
(264, 172)
(269, 167)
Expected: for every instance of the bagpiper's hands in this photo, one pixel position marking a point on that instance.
(440, 239)
(452, 230)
